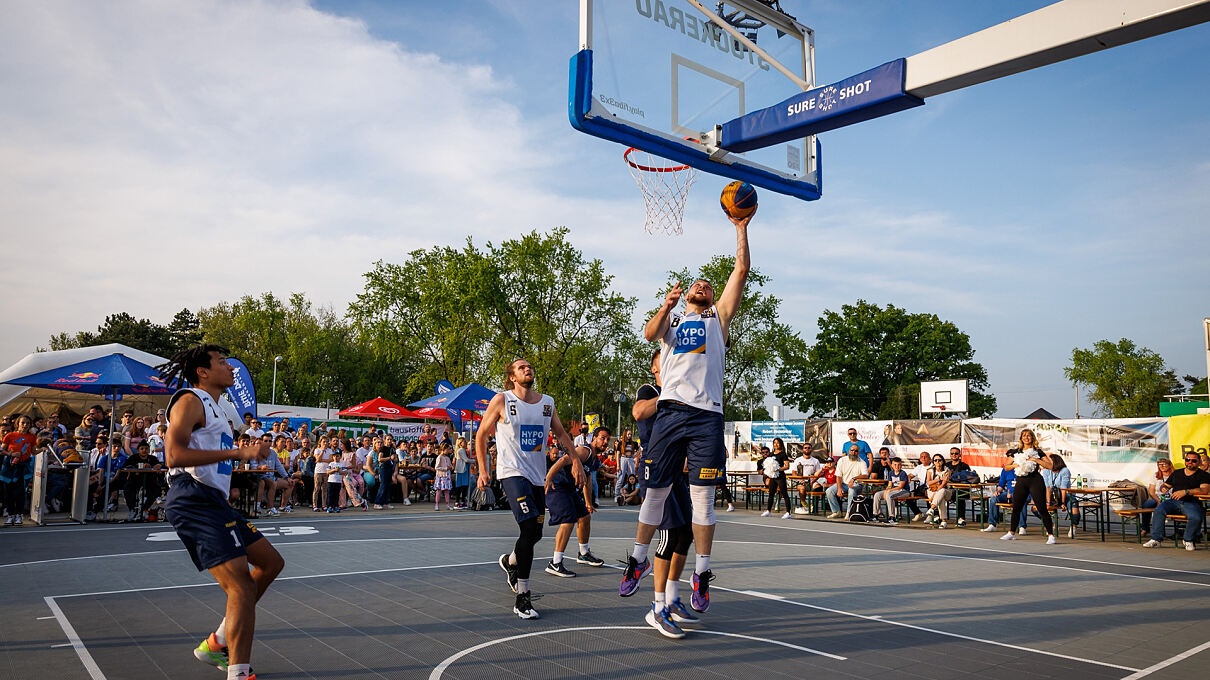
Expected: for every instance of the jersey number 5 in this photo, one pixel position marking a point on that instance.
(512, 409)
(524, 507)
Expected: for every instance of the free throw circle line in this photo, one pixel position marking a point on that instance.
(439, 670)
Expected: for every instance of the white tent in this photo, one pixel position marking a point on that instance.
(35, 400)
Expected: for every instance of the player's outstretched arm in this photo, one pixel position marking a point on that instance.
(728, 302)
(657, 325)
(186, 414)
(487, 427)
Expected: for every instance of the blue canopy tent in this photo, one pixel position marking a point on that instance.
(110, 376)
(469, 397)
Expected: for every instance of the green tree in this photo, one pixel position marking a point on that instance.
(185, 329)
(465, 313)
(874, 358)
(123, 328)
(759, 341)
(1123, 380)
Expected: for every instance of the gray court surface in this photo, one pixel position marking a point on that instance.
(417, 594)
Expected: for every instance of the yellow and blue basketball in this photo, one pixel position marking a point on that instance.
(738, 199)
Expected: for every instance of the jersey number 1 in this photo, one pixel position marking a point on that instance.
(235, 538)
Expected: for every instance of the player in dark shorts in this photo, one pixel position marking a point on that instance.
(570, 506)
(199, 452)
(674, 535)
(522, 421)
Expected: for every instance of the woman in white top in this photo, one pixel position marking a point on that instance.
(1163, 470)
(323, 458)
(938, 489)
(336, 478)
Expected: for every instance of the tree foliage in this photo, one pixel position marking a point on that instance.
(1124, 380)
(465, 313)
(123, 328)
(759, 341)
(874, 358)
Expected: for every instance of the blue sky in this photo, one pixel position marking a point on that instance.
(296, 143)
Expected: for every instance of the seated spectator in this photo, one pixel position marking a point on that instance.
(53, 429)
(956, 464)
(276, 479)
(254, 431)
(1155, 493)
(847, 470)
(354, 484)
(136, 477)
(1003, 494)
(897, 487)
(86, 433)
(881, 464)
(155, 439)
(1177, 499)
(939, 492)
(919, 485)
(1056, 479)
(809, 468)
(628, 492)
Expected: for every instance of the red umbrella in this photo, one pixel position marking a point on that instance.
(381, 408)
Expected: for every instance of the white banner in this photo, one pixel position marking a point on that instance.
(876, 433)
(411, 431)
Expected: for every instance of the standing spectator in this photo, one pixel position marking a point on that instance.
(98, 418)
(336, 470)
(161, 419)
(323, 458)
(955, 464)
(462, 477)
(1027, 462)
(354, 483)
(247, 425)
(939, 492)
(304, 468)
(774, 467)
(384, 472)
(847, 470)
(896, 487)
(863, 449)
(16, 468)
(1155, 491)
(54, 430)
(1179, 487)
(443, 479)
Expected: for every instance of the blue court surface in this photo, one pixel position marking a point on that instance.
(418, 594)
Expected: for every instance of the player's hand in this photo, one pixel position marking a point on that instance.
(485, 479)
(590, 507)
(548, 486)
(741, 224)
(577, 473)
(674, 295)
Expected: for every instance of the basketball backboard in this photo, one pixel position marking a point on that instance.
(943, 396)
(651, 73)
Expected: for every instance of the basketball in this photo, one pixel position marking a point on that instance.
(738, 200)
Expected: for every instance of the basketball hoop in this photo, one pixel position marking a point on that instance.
(665, 187)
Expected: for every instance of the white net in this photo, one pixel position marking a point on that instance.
(665, 186)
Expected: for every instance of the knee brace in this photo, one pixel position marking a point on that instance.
(702, 498)
(652, 510)
(531, 531)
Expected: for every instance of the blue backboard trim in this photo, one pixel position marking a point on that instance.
(579, 105)
(877, 92)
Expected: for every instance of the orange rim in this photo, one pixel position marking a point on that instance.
(647, 168)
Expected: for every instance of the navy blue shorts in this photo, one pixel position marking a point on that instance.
(527, 500)
(678, 509)
(566, 505)
(212, 531)
(680, 433)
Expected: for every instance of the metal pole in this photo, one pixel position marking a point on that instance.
(581, 409)
(1077, 402)
(109, 457)
(1206, 328)
(275, 360)
(836, 413)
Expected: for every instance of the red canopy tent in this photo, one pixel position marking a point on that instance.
(381, 408)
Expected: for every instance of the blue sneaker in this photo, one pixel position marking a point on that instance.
(635, 571)
(681, 614)
(660, 620)
(701, 591)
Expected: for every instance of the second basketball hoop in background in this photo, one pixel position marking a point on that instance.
(738, 199)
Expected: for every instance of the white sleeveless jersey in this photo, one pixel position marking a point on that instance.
(691, 360)
(521, 438)
(213, 435)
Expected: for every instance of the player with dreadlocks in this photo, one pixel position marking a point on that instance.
(199, 451)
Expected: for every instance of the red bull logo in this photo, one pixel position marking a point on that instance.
(77, 378)
(86, 374)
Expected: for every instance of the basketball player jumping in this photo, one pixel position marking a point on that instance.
(688, 423)
(199, 450)
(522, 420)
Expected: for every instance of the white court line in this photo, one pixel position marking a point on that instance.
(90, 665)
(1168, 662)
(441, 667)
(89, 557)
(150, 526)
(1185, 571)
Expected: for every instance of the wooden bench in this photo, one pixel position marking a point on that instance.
(759, 490)
(1052, 510)
(816, 500)
(1135, 515)
(901, 506)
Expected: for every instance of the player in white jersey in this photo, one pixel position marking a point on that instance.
(522, 420)
(688, 423)
(199, 451)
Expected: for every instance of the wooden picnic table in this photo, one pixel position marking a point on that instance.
(1101, 497)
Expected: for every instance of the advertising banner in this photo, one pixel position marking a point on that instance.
(241, 392)
(1103, 451)
(909, 438)
(876, 433)
(786, 430)
(411, 431)
(1190, 434)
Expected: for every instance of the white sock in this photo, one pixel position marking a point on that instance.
(557, 558)
(702, 564)
(672, 590)
(237, 671)
(522, 585)
(659, 600)
(512, 558)
(220, 633)
(640, 551)
(583, 548)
